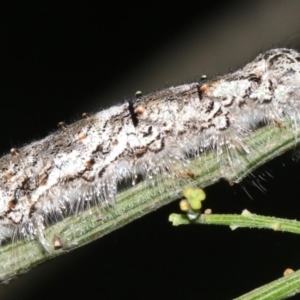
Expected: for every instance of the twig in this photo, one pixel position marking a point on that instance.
(75, 231)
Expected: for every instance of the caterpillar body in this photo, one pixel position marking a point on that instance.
(84, 162)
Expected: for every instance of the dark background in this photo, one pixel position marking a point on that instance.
(58, 60)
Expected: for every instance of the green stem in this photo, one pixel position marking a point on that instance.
(246, 219)
(75, 231)
(281, 288)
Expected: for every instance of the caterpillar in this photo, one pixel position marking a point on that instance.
(82, 163)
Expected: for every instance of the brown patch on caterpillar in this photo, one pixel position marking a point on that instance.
(89, 164)
(97, 149)
(139, 110)
(104, 149)
(203, 88)
(85, 115)
(184, 173)
(43, 178)
(7, 175)
(43, 175)
(12, 203)
(24, 183)
(62, 125)
(190, 174)
(140, 152)
(277, 124)
(82, 136)
(69, 177)
(32, 209)
(9, 211)
(102, 171)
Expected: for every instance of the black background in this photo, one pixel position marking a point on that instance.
(58, 60)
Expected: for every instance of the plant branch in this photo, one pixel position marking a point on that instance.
(75, 231)
(246, 219)
(281, 288)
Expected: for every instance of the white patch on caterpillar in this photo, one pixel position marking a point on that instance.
(82, 163)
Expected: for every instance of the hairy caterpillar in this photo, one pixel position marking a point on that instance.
(83, 163)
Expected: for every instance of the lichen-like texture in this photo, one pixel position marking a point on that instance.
(82, 163)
